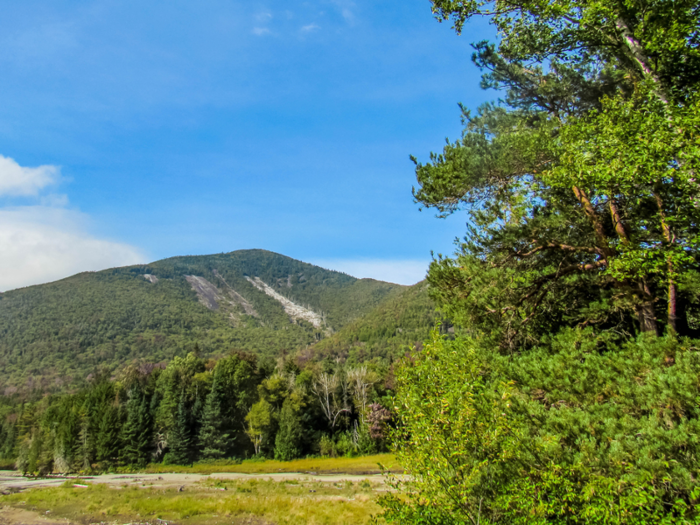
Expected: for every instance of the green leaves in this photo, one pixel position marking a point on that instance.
(578, 430)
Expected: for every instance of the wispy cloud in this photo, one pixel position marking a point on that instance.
(16, 180)
(309, 28)
(260, 31)
(346, 8)
(400, 271)
(46, 241)
(263, 16)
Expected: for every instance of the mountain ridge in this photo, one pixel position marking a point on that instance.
(267, 304)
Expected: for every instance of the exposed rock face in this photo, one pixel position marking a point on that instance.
(215, 298)
(150, 278)
(238, 298)
(293, 310)
(207, 293)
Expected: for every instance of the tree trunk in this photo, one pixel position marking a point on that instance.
(645, 310)
(670, 238)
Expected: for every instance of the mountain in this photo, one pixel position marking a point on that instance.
(402, 319)
(55, 334)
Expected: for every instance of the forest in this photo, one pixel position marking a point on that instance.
(56, 334)
(195, 410)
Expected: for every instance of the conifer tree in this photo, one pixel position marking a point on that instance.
(213, 438)
(108, 439)
(137, 430)
(180, 438)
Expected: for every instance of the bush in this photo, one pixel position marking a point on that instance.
(326, 446)
(579, 430)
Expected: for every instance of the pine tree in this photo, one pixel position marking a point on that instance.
(213, 438)
(180, 439)
(289, 436)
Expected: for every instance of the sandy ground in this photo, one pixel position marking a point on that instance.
(13, 481)
(10, 516)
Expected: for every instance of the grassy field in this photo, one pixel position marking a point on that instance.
(360, 465)
(237, 502)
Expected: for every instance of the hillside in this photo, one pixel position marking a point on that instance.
(252, 300)
(402, 319)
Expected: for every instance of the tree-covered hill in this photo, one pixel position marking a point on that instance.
(404, 319)
(252, 300)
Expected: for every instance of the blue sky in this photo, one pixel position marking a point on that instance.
(132, 131)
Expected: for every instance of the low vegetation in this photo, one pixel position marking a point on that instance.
(211, 502)
(355, 466)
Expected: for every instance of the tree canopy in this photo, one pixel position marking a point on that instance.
(571, 398)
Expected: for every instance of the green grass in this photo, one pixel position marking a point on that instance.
(257, 502)
(360, 465)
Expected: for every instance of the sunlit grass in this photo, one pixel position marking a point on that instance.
(360, 465)
(211, 501)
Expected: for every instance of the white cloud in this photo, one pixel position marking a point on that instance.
(400, 271)
(16, 180)
(41, 244)
(309, 28)
(260, 31)
(45, 242)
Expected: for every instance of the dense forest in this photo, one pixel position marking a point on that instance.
(197, 409)
(571, 394)
(176, 385)
(54, 335)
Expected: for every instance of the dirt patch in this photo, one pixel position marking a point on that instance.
(18, 483)
(14, 516)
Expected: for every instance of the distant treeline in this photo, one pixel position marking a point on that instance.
(195, 409)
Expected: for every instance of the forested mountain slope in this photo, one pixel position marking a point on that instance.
(382, 334)
(253, 300)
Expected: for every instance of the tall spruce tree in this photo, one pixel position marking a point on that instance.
(138, 430)
(213, 436)
(180, 437)
(108, 437)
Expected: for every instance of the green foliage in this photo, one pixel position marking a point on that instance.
(564, 405)
(138, 430)
(260, 421)
(383, 334)
(213, 439)
(180, 436)
(578, 430)
(57, 334)
(288, 443)
(108, 441)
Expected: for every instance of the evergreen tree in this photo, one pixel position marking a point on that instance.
(108, 438)
(288, 442)
(180, 438)
(137, 430)
(213, 438)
